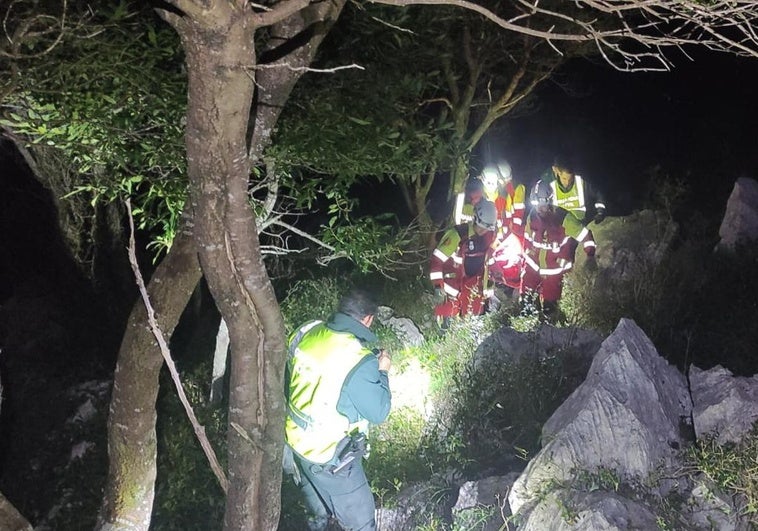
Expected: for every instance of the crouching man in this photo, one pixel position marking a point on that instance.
(337, 386)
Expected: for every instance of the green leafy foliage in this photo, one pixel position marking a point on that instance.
(307, 300)
(115, 111)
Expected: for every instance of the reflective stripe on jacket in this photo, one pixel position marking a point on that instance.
(547, 241)
(319, 365)
(460, 253)
(573, 199)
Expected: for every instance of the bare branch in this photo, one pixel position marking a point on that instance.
(307, 68)
(280, 12)
(303, 234)
(640, 32)
(210, 454)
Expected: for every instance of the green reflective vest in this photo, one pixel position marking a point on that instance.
(572, 199)
(318, 366)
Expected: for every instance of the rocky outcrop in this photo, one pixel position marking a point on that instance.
(613, 451)
(740, 222)
(483, 504)
(405, 329)
(565, 509)
(724, 406)
(612, 454)
(626, 416)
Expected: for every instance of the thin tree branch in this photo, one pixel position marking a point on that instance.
(210, 454)
(279, 13)
(307, 68)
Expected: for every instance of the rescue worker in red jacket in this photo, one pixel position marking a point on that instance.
(506, 263)
(458, 266)
(508, 198)
(549, 251)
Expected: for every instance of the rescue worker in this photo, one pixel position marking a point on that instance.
(466, 200)
(549, 237)
(458, 266)
(505, 266)
(336, 386)
(574, 193)
(507, 196)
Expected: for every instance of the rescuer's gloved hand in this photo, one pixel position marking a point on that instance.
(599, 216)
(591, 263)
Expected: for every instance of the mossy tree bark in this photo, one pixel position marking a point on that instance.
(130, 487)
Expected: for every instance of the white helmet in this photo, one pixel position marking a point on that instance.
(490, 177)
(485, 215)
(495, 174)
(506, 174)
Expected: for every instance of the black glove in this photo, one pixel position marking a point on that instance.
(590, 264)
(599, 216)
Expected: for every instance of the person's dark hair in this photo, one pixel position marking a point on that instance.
(565, 161)
(357, 303)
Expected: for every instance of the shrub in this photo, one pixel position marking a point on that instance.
(311, 299)
(188, 496)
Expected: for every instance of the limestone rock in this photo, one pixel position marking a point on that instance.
(626, 416)
(628, 245)
(508, 346)
(599, 511)
(723, 405)
(740, 222)
(404, 328)
(483, 504)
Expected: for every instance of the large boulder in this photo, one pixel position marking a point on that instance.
(627, 416)
(740, 222)
(724, 406)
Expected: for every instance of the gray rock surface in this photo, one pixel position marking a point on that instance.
(596, 511)
(483, 504)
(626, 416)
(508, 345)
(740, 222)
(724, 405)
(10, 518)
(404, 328)
(628, 245)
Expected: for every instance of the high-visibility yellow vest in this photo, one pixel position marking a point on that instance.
(572, 199)
(318, 366)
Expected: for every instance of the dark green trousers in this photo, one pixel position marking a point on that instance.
(345, 495)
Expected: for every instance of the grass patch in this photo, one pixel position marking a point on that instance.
(733, 468)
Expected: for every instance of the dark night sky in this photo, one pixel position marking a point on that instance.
(697, 122)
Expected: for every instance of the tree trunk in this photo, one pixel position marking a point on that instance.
(130, 487)
(220, 59)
